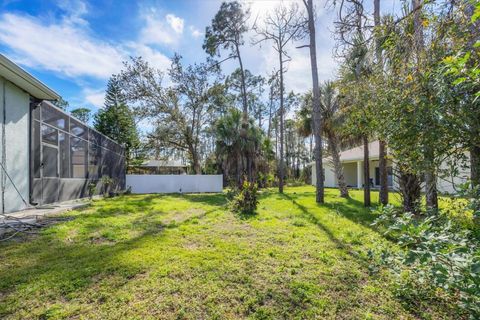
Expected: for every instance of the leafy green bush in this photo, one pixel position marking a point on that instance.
(107, 182)
(295, 182)
(437, 258)
(92, 187)
(245, 201)
(266, 180)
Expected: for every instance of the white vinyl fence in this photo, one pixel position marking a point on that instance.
(174, 183)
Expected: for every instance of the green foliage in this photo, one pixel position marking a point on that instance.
(254, 87)
(179, 113)
(227, 29)
(62, 104)
(92, 187)
(116, 120)
(230, 146)
(437, 259)
(82, 114)
(107, 183)
(246, 201)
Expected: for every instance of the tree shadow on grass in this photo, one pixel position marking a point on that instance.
(212, 199)
(355, 211)
(126, 204)
(313, 219)
(63, 269)
(350, 208)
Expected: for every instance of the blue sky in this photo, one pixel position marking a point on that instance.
(74, 46)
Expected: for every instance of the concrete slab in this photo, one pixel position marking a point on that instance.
(35, 214)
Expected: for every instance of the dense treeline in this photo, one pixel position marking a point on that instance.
(240, 124)
(412, 82)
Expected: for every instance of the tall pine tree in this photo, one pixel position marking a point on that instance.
(116, 119)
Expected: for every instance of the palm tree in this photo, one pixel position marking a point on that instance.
(332, 119)
(231, 145)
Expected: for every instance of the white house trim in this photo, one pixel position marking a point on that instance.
(25, 81)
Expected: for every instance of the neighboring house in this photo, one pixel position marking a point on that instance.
(352, 161)
(46, 155)
(159, 167)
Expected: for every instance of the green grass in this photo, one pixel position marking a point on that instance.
(188, 257)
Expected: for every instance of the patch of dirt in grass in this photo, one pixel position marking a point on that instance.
(192, 245)
(178, 217)
(101, 240)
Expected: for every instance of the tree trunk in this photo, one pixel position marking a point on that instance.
(310, 152)
(317, 120)
(337, 164)
(269, 130)
(281, 168)
(475, 165)
(366, 173)
(382, 168)
(195, 160)
(382, 153)
(474, 29)
(430, 173)
(244, 130)
(430, 180)
(197, 168)
(410, 190)
(276, 136)
(431, 194)
(418, 27)
(244, 90)
(240, 170)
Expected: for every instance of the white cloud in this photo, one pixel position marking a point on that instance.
(67, 48)
(155, 58)
(298, 76)
(195, 32)
(161, 30)
(61, 47)
(175, 22)
(75, 10)
(94, 96)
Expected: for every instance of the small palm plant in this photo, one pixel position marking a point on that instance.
(106, 182)
(92, 187)
(245, 202)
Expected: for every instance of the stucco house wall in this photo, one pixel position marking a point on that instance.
(15, 104)
(353, 171)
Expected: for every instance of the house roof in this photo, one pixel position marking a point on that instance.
(22, 79)
(163, 163)
(356, 153)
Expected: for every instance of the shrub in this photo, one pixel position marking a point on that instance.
(245, 201)
(107, 182)
(266, 180)
(437, 258)
(92, 187)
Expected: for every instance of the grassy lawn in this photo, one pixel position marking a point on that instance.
(187, 256)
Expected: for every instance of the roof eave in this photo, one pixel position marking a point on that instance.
(24, 80)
